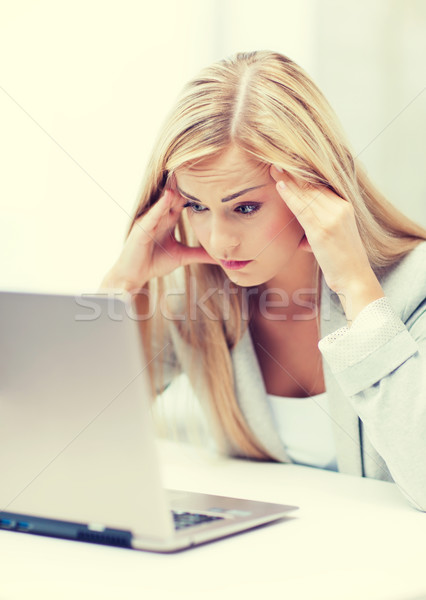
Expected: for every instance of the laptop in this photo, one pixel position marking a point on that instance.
(78, 453)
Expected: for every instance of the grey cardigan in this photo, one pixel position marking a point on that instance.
(375, 377)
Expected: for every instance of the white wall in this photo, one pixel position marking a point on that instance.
(85, 84)
(370, 61)
(282, 25)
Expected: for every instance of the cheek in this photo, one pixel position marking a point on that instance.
(284, 226)
(200, 231)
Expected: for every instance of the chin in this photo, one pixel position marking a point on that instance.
(245, 280)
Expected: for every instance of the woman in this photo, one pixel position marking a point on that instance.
(303, 289)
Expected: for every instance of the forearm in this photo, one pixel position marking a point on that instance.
(116, 281)
(379, 364)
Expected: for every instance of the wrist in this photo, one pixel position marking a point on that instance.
(358, 294)
(116, 283)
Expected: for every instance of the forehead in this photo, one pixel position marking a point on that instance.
(234, 167)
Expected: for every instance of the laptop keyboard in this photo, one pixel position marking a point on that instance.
(186, 519)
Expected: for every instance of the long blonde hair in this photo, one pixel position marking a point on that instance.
(268, 106)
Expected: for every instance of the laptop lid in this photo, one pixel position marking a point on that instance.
(75, 443)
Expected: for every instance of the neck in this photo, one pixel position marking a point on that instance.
(292, 291)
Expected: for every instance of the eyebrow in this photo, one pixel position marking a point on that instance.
(226, 199)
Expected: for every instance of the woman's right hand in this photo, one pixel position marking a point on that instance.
(151, 249)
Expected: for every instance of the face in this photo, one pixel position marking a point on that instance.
(239, 217)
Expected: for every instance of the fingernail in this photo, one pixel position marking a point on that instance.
(281, 184)
(278, 168)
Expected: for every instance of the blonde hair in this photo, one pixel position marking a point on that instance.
(268, 106)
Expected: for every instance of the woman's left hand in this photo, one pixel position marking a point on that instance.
(332, 235)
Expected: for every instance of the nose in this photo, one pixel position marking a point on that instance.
(223, 238)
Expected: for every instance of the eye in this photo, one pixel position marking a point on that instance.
(195, 207)
(248, 209)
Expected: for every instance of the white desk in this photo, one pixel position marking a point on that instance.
(351, 538)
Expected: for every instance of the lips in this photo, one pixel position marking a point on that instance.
(234, 264)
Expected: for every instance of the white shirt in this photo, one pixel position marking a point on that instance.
(305, 428)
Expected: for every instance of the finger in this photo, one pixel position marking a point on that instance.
(302, 205)
(175, 210)
(276, 172)
(286, 184)
(151, 219)
(172, 216)
(297, 185)
(177, 203)
(318, 204)
(322, 193)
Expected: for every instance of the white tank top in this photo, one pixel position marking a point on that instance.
(305, 428)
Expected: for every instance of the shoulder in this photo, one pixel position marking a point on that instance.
(404, 283)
